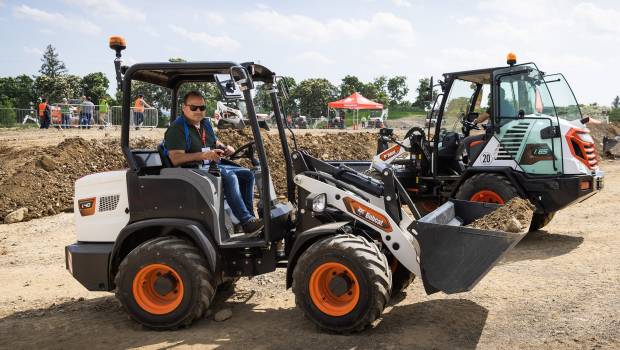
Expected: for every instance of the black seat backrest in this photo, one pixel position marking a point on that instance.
(165, 160)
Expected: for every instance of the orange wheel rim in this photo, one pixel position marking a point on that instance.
(487, 196)
(330, 299)
(158, 289)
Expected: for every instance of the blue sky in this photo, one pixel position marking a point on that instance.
(330, 39)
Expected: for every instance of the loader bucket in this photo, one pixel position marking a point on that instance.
(454, 257)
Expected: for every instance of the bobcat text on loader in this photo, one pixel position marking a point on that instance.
(535, 145)
(162, 239)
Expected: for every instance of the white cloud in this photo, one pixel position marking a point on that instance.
(150, 30)
(468, 20)
(223, 42)
(313, 57)
(210, 18)
(56, 19)
(110, 9)
(388, 56)
(47, 31)
(214, 18)
(402, 3)
(601, 19)
(380, 27)
(33, 51)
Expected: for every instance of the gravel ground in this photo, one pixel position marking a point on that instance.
(557, 289)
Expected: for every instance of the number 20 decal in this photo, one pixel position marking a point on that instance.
(486, 157)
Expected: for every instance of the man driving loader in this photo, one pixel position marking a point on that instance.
(191, 140)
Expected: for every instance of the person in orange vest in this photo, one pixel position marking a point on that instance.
(44, 114)
(138, 110)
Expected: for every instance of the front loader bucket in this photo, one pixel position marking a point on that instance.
(454, 257)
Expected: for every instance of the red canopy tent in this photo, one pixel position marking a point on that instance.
(355, 102)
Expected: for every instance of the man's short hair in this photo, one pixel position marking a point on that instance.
(140, 95)
(193, 93)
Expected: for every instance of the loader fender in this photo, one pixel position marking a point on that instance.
(304, 240)
(136, 233)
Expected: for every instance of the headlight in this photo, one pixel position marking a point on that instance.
(319, 202)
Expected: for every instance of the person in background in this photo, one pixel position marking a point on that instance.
(88, 108)
(65, 114)
(103, 112)
(44, 114)
(138, 110)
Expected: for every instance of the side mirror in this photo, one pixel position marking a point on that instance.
(227, 86)
(521, 114)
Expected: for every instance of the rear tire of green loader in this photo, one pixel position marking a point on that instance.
(164, 283)
(342, 283)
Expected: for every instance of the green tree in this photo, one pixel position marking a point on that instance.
(52, 66)
(18, 91)
(262, 101)
(397, 89)
(616, 102)
(95, 85)
(349, 85)
(7, 113)
(313, 96)
(55, 89)
(290, 104)
(423, 94)
(382, 95)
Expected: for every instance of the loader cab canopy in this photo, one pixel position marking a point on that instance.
(171, 74)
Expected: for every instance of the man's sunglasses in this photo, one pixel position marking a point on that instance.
(193, 108)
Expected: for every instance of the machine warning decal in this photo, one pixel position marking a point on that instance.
(367, 214)
(390, 153)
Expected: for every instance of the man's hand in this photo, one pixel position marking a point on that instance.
(229, 150)
(213, 155)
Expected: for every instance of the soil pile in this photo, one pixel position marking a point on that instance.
(515, 216)
(42, 180)
(599, 131)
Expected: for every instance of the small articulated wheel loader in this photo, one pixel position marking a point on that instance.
(535, 145)
(161, 237)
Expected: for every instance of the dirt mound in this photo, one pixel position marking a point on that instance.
(42, 179)
(598, 131)
(515, 216)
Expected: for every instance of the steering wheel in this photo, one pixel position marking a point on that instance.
(411, 131)
(470, 125)
(245, 151)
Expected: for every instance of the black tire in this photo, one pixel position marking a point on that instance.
(496, 183)
(540, 220)
(502, 186)
(369, 267)
(401, 278)
(185, 259)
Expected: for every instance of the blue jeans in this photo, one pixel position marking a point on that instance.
(239, 191)
(85, 120)
(66, 121)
